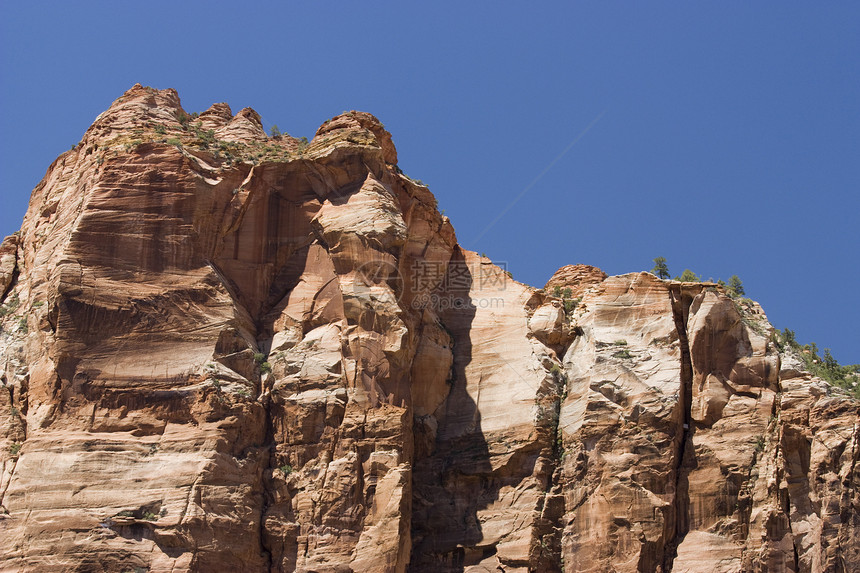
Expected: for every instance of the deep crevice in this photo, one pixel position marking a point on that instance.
(846, 509)
(266, 485)
(681, 502)
(12, 283)
(547, 530)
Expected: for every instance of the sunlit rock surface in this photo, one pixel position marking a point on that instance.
(222, 351)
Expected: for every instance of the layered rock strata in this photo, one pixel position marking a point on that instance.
(225, 351)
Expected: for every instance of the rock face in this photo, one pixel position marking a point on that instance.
(224, 351)
(578, 278)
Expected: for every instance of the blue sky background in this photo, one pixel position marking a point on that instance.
(724, 136)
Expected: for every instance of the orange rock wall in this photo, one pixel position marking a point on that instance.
(224, 351)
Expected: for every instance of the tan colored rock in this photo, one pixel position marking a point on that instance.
(578, 278)
(482, 489)
(355, 120)
(704, 552)
(621, 425)
(224, 351)
(162, 275)
(676, 441)
(357, 220)
(217, 116)
(246, 126)
(8, 258)
(549, 324)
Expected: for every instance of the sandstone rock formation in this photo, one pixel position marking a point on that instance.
(578, 278)
(222, 351)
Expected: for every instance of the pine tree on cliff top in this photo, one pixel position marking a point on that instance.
(660, 268)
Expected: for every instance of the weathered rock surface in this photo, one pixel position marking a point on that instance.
(678, 442)
(578, 278)
(224, 351)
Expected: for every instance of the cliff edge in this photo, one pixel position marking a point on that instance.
(222, 350)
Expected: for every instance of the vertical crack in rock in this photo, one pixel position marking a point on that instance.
(21, 433)
(548, 322)
(850, 508)
(267, 487)
(680, 313)
(16, 431)
(548, 527)
(234, 353)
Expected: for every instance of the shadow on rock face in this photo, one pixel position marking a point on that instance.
(453, 481)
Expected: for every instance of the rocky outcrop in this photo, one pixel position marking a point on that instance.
(578, 278)
(8, 260)
(227, 351)
(674, 433)
(213, 359)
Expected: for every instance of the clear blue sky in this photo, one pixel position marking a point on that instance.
(724, 136)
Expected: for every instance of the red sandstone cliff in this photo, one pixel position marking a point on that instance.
(223, 351)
